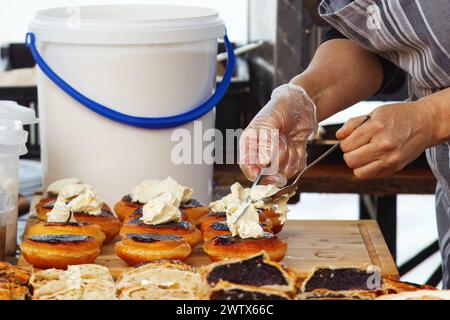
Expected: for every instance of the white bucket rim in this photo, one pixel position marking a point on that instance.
(127, 24)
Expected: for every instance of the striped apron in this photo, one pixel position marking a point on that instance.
(414, 35)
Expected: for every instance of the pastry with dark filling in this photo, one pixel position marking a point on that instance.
(77, 228)
(137, 248)
(148, 190)
(211, 218)
(45, 204)
(220, 228)
(108, 222)
(214, 217)
(59, 250)
(84, 205)
(183, 229)
(228, 291)
(195, 210)
(227, 247)
(257, 270)
(342, 283)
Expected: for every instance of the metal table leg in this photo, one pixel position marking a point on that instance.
(387, 220)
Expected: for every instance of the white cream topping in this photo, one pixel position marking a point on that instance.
(162, 209)
(249, 199)
(60, 213)
(240, 194)
(55, 187)
(246, 226)
(81, 198)
(150, 189)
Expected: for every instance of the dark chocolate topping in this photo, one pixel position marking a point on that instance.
(191, 203)
(252, 271)
(237, 294)
(59, 238)
(343, 279)
(217, 214)
(128, 198)
(181, 224)
(151, 237)
(220, 226)
(49, 205)
(73, 224)
(104, 213)
(227, 240)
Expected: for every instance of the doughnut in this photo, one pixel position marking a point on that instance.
(138, 214)
(218, 228)
(184, 229)
(210, 218)
(107, 221)
(224, 247)
(59, 250)
(126, 207)
(137, 248)
(44, 206)
(195, 210)
(76, 228)
(275, 218)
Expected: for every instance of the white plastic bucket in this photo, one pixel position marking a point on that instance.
(139, 61)
(12, 145)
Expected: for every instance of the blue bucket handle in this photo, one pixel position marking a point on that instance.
(140, 122)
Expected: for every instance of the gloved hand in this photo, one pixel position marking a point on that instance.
(292, 114)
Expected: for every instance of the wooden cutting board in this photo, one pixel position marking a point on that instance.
(310, 244)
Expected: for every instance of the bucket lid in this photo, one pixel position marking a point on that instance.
(11, 110)
(127, 24)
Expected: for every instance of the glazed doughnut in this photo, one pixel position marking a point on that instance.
(138, 248)
(184, 229)
(107, 221)
(275, 218)
(195, 210)
(220, 228)
(210, 218)
(223, 247)
(76, 228)
(126, 207)
(59, 251)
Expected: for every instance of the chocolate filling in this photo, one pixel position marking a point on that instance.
(49, 205)
(220, 226)
(227, 240)
(343, 279)
(59, 238)
(191, 203)
(186, 225)
(74, 224)
(217, 214)
(252, 271)
(151, 237)
(128, 198)
(104, 213)
(237, 294)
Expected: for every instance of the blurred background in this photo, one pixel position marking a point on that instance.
(286, 34)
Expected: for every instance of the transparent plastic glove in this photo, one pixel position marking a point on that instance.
(292, 114)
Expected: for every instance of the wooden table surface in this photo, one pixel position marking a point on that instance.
(310, 244)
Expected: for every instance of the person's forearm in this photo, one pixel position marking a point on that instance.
(438, 107)
(340, 75)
